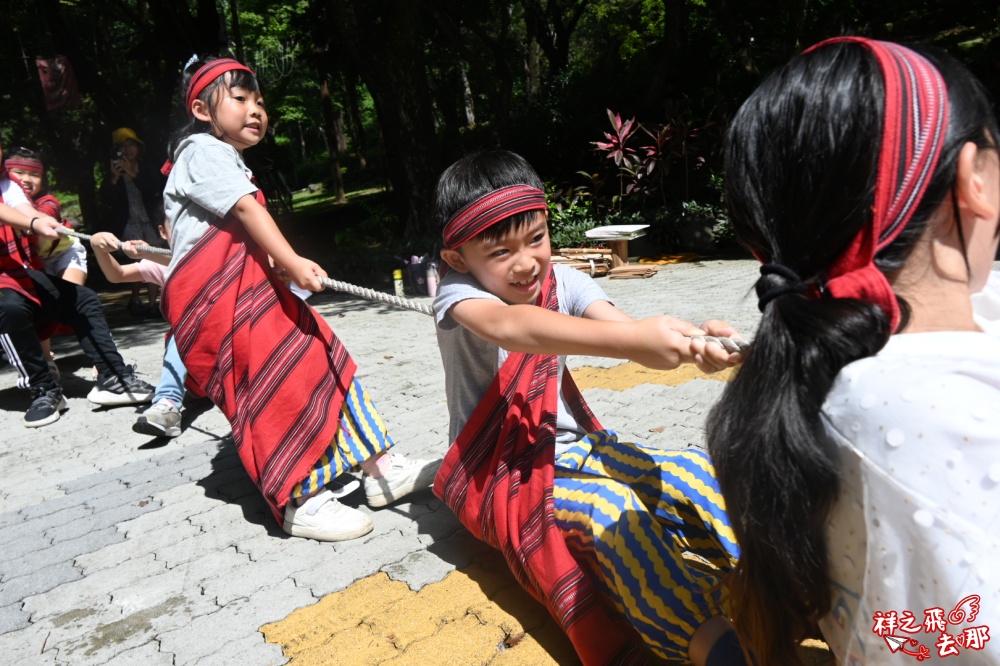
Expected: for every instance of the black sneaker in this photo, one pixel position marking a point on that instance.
(45, 407)
(129, 390)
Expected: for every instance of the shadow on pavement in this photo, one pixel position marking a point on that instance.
(229, 482)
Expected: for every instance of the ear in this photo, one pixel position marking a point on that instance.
(975, 197)
(455, 260)
(200, 110)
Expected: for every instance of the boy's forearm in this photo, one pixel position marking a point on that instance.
(534, 330)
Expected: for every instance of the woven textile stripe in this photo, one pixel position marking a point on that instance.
(487, 210)
(914, 125)
(17, 253)
(208, 73)
(917, 98)
(630, 512)
(33, 166)
(267, 360)
(498, 479)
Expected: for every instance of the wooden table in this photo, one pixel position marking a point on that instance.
(617, 237)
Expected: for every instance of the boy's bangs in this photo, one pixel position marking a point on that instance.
(513, 223)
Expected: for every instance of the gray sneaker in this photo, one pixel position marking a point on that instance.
(162, 419)
(45, 407)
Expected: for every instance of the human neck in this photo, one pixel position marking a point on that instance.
(934, 283)
(939, 310)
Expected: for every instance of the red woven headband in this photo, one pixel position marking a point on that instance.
(34, 166)
(915, 123)
(208, 73)
(489, 209)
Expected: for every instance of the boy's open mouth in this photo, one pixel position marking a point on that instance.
(526, 283)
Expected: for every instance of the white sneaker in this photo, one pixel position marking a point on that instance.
(323, 518)
(403, 477)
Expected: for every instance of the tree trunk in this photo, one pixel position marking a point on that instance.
(329, 130)
(470, 101)
(533, 67)
(338, 125)
(236, 30)
(391, 63)
(354, 122)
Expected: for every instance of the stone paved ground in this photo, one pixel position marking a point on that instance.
(120, 549)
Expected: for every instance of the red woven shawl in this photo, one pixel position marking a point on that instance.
(270, 363)
(17, 253)
(497, 477)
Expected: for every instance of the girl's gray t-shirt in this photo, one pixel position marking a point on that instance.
(206, 181)
(471, 363)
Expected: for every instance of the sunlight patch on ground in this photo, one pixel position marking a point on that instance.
(476, 615)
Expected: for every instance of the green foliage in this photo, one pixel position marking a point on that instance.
(537, 75)
(570, 215)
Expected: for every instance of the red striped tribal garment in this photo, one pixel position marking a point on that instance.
(264, 357)
(497, 477)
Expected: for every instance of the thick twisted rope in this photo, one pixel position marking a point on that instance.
(139, 248)
(369, 294)
(731, 345)
(373, 295)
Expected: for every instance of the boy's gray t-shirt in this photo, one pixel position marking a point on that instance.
(471, 363)
(206, 181)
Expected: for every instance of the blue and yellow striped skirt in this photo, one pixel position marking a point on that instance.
(361, 435)
(629, 513)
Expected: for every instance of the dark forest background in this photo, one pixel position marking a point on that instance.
(385, 93)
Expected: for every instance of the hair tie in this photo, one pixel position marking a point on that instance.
(793, 284)
(208, 73)
(479, 215)
(192, 60)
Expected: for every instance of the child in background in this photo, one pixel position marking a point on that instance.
(580, 516)
(66, 257)
(858, 448)
(163, 417)
(300, 417)
(28, 295)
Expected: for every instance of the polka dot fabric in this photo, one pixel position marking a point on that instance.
(917, 525)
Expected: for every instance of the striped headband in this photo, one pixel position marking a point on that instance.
(914, 126)
(208, 73)
(25, 164)
(489, 209)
